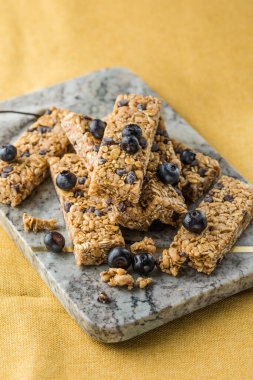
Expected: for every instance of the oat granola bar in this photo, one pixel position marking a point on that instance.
(89, 221)
(43, 139)
(117, 172)
(229, 209)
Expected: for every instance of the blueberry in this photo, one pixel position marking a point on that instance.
(119, 257)
(26, 153)
(195, 221)
(132, 130)
(66, 180)
(97, 128)
(54, 241)
(130, 144)
(168, 173)
(8, 152)
(143, 263)
(187, 157)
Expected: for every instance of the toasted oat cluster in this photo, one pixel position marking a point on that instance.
(145, 245)
(143, 282)
(121, 164)
(36, 224)
(43, 139)
(228, 208)
(117, 277)
(90, 221)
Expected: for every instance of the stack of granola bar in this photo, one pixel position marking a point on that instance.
(126, 171)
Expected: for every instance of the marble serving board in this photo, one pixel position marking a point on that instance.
(131, 312)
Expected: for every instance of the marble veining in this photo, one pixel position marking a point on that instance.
(131, 312)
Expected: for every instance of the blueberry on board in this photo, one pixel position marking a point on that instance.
(119, 257)
(130, 144)
(54, 241)
(187, 157)
(143, 263)
(66, 180)
(8, 153)
(168, 173)
(97, 128)
(195, 221)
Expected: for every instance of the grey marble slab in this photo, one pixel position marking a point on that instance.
(130, 313)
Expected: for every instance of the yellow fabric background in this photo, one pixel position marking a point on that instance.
(198, 55)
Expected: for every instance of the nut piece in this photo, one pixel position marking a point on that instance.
(143, 282)
(36, 224)
(117, 277)
(145, 245)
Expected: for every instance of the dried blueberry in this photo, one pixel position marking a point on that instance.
(120, 172)
(81, 180)
(44, 129)
(208, 198)
(78, 193)
(67, 206)
(228, 198)
(141, 107)
(98, 213)
(130, 178)
(123, 103)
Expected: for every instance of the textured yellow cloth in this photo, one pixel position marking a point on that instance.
(198, 55)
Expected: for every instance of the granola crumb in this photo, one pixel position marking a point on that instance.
(36, 224)
(103, 298)
(143, 282)
(117, 277)
(145, 245)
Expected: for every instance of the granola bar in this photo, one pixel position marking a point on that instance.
(117, 173)
(43, 139)
(36, 224)
(229, 209)
(199, 176)
(90, 222)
